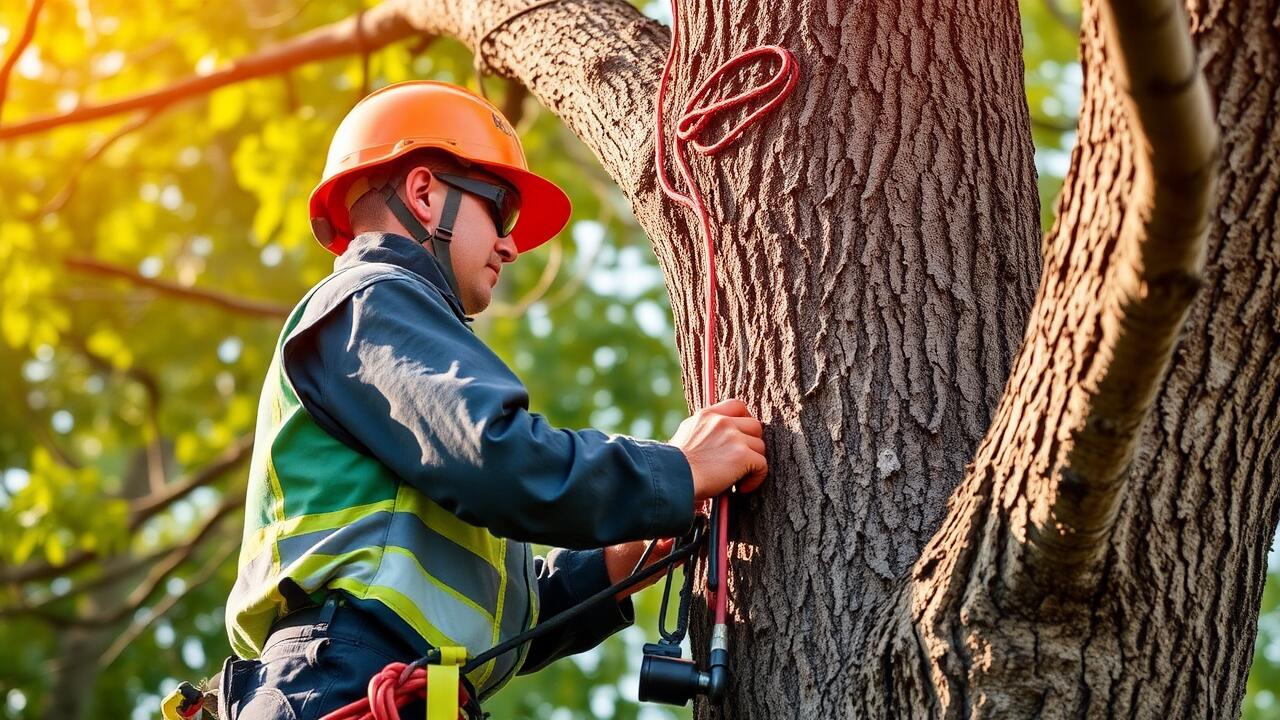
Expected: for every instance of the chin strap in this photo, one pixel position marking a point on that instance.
(444, 229)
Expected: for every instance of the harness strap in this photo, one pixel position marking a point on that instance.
(442, 684)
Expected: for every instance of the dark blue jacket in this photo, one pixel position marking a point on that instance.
(396, 373)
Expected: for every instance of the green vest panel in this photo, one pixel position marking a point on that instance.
(325, 516)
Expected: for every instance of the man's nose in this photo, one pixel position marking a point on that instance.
(507, 249)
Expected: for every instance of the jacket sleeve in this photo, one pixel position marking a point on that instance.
(565, 579)
(393, 372)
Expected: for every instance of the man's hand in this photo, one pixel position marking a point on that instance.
(724, 444)
(621, 559)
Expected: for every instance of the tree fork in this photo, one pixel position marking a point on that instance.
(1161, 629)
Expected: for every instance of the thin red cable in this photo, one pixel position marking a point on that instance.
(693, 120)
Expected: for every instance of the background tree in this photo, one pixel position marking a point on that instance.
(886, 218)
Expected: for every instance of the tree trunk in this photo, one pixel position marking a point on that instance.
(879, 246)
(75, 669)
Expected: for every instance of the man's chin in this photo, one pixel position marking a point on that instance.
(475, 306)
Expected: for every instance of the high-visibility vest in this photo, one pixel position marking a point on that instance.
(324, 516)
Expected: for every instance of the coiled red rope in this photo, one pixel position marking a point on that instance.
(692, 121)
(387, 694)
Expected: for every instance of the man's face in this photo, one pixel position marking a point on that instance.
(476, 251)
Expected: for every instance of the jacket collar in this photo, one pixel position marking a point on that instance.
(398, 250)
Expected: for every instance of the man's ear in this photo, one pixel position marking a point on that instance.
(417, 187)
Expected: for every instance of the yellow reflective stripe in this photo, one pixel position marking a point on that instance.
(273, 479)
(446, 588)
(400, 604)
(277, 493)
(310, 523)
(470, 627)
(313, 572)
(330, 520)
(497, 616)
(478, 540)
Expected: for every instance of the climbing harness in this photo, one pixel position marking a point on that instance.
(398, 683)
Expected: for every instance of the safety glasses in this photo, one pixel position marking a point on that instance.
(503, 202)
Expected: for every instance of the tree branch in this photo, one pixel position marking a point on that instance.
(155, 441)
(118, 574)
(51, 443)
(141, 510)
(1156, 269)
(159, 610)
(361, 33)
(172, 560)
(59, 199)
(260, 308)
(144, 508)
(19, 47)
(276, 20)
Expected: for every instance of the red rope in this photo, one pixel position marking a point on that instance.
(387, 695)
(690, 123)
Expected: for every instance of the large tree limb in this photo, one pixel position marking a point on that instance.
(241, 306)
(361, 33)
(594, 63)
(1158, 264)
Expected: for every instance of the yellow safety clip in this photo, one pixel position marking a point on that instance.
(184, 703)
(442, 684)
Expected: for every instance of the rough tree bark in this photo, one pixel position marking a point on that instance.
(1090, 540)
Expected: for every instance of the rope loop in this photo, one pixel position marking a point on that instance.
(695, 119)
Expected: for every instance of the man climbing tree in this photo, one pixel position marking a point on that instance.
(398, 472)
(1011, 476)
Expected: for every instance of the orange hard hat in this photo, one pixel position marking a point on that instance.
(409, 116)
